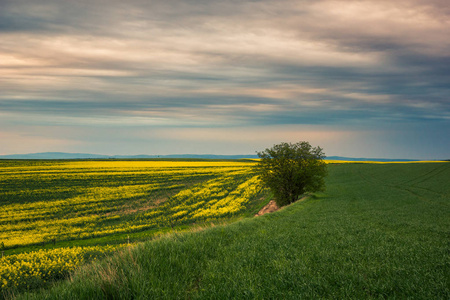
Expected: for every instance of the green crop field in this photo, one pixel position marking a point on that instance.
(379, 231)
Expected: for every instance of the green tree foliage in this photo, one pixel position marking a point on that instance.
(291, 170)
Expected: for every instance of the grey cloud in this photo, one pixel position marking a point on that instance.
(311, 62)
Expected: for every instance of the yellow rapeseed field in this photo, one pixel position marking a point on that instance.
(83, 199)
(34, 269)
(46, 202)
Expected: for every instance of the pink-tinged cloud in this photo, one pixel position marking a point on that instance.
(210, 67)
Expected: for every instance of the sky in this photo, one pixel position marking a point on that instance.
(357, 78)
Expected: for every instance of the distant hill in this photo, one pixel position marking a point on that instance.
(53, 155)
(367, 159)
(63, 155)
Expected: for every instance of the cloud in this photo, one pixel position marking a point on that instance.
(224, 64)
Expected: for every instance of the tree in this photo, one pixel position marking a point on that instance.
(291, 170)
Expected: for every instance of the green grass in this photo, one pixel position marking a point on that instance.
(379, 231)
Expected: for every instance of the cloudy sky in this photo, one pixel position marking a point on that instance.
(358, 78)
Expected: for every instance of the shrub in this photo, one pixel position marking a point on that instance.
(291, 170)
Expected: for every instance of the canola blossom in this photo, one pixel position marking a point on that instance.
(43, 201)
(53, 201)
(35, 269)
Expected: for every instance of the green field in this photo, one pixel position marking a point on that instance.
(379, 231)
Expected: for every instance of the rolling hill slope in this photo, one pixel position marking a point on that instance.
(380, 231)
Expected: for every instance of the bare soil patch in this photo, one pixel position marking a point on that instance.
(270, 207)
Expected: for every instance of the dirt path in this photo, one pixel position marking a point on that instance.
(270, 207)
